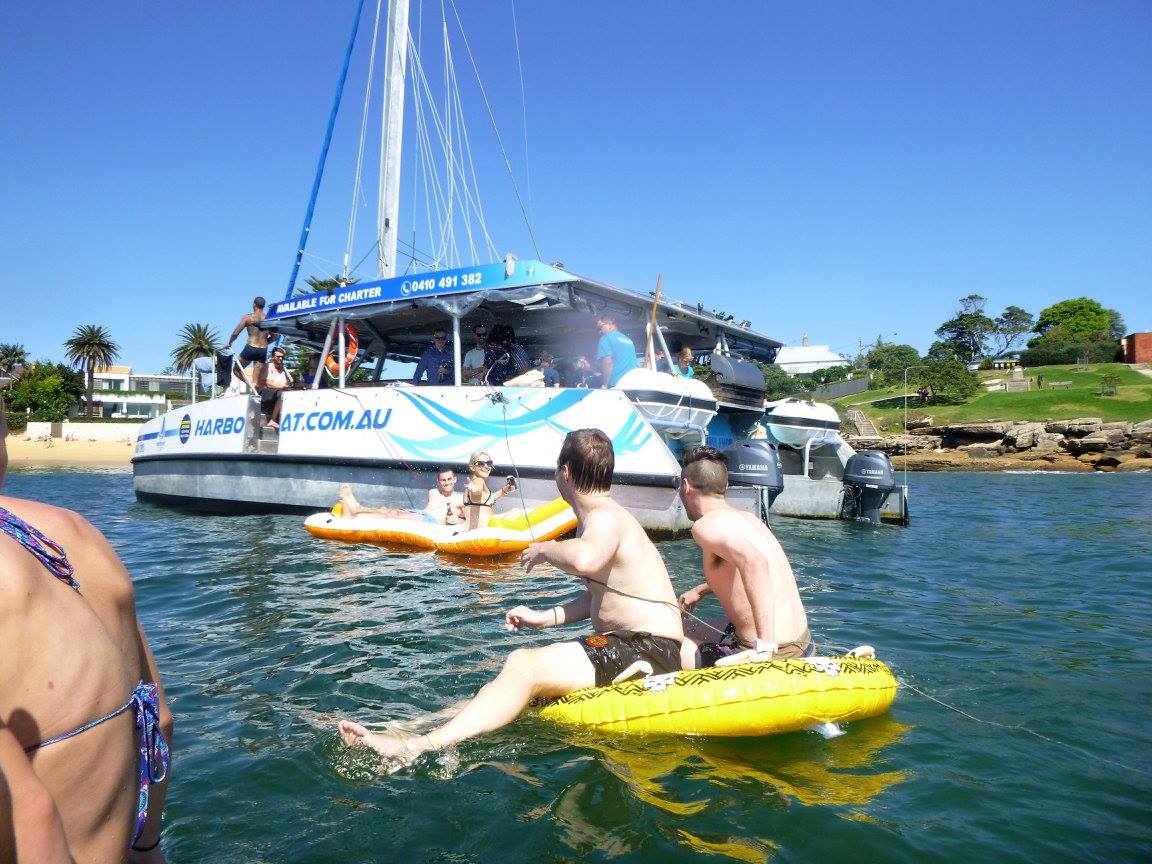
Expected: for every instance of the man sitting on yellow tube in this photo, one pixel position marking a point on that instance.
(747, 570)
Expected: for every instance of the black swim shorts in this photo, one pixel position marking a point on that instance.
(253, 352)
(611, 654)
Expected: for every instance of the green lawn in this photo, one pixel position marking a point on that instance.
(1081, 398)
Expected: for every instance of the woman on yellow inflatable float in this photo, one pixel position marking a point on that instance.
(451, 522)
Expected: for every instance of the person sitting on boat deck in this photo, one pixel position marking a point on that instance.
(273, 381)
(581, 373)
(256, 348)
(81, 695)
(684, 361)
(437, 362)
(615, 351)
(551, 376)
(747, 570)
(478, 498)
(445, 506)
(504, 357)
(636, 623)
(314, 372)
(473, 368)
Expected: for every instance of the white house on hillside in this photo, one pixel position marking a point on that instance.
(805, 358)
(120, 393)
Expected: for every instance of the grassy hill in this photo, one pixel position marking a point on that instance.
(1080, 398)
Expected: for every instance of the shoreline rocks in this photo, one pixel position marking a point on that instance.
(1081, 444)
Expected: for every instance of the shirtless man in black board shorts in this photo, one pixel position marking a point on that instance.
(629, 600)
(256, 346)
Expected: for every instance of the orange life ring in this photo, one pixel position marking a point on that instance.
(351, 343)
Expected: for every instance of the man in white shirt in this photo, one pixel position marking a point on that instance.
(473, 370)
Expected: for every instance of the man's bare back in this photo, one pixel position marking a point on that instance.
(728, 535)
(70, 658)
(632, 591)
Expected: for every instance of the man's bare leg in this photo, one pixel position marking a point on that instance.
(351, 508)
(553, 670)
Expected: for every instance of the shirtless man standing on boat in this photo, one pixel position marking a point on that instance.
(747, 570)
(256, 348)
(445, 505)
(76, 676)
(629, 600)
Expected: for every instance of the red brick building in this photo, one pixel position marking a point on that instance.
(1137, 348)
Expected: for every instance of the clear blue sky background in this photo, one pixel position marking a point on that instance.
(845, 170)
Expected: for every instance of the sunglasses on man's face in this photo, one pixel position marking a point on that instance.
(482, 334)
(481, 463)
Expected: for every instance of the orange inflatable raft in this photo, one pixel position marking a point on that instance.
(504, 535)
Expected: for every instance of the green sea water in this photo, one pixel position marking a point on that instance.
(1021, 600)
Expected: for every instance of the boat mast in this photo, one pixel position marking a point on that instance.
(391, 138)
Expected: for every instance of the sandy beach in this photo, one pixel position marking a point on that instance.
(23, 453)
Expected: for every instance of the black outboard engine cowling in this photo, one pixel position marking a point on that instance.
(868, 478)
(756, 462)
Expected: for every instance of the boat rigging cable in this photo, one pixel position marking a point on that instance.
(323, 155)
(496, 131)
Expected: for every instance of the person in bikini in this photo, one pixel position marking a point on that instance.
(82, 696)
(444, 506)
(628, 599)
(747, 570)
(256, 348)
(478, 498)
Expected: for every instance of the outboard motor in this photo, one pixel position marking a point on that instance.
(868, 478)
(755, 462)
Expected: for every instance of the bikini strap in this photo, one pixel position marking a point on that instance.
(154, 757)
(48, 552)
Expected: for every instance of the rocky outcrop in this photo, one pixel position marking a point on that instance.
(1081, 444)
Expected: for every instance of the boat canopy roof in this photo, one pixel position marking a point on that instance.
(549, 308)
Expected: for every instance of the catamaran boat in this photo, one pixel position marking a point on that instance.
(386, 438)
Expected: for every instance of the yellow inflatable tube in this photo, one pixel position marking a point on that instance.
(506, 534)
(744, 700)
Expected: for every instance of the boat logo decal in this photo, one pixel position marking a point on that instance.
(218, 426)
(185, 429)
(335, 421)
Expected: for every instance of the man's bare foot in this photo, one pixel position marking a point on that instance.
(397, 750)
(349, 505)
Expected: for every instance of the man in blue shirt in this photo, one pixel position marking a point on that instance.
(615, 351)
(437, 362)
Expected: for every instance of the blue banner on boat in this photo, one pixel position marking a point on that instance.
(484, 277)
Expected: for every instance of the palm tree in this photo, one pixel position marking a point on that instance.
(329, 285)
(89, 347)
(196, 340)
(12, 355)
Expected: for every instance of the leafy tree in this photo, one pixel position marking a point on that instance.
(12, 355)
(829, 375)
(89, 347)
(1116, 328)
(47, 389)
(887, 363)
(969, 330)
(940, 350)
(1013, 323)
(1059, 345)
(1080, 317)
(778, 383)
(949, 380)
(196, 340)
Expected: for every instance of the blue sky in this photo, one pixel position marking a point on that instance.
(845, 170)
